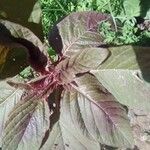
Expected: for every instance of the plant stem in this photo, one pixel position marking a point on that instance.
(109, 5)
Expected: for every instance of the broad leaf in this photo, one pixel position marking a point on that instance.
(127, 87)
(61, 138)
(89, 116)
(9, 97)
(14, 36)
(78, 31)
(132, 8)
(126, 75)
(115, 130)
(20, 31)
(26, 124)
(10, 54)
(128, 58)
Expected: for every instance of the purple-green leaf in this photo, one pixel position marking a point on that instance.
(14, 36)
(81, 62)
(61, 138)
(90, 116)
(20, 31)
(107, 120)
(9, 97)
(26, 124)
(126, 74)
(77, 31)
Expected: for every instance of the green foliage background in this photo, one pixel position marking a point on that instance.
(123, 12)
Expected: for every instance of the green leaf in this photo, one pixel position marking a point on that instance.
(36, 13)
(3, 14)
(145, 9)
(148, 15)
(132, 8)
(26, 124)
(125, 74)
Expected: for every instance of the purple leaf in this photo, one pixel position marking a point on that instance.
(104, 119)
(19, 35)
(26, 124)
(77, 31)
(81, 62)
(55, 40)
(36, 59)
(90, 116)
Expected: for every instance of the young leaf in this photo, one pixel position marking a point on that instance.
(26, 124)
(126, 75)
(81, 62)
(78, 31)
